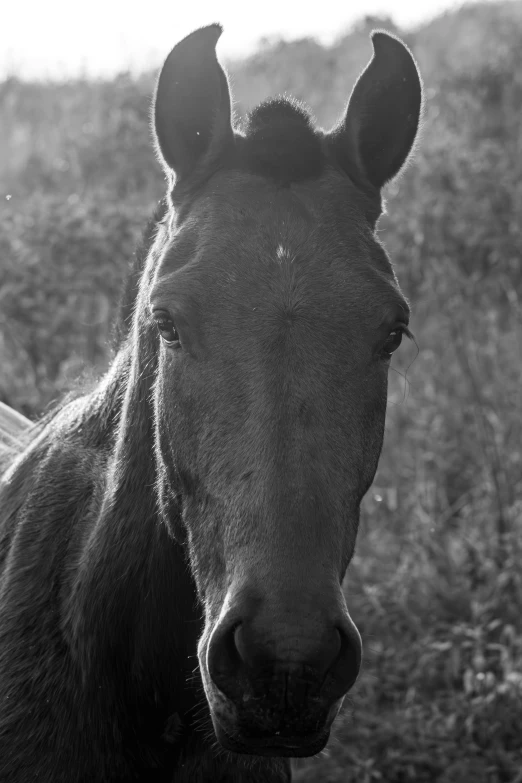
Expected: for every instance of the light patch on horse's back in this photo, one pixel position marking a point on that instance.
(283, 254)
(12, 427)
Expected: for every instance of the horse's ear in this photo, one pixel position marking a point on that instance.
(192, 103)
(375, 136)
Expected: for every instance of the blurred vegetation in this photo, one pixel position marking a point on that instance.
(436, 584)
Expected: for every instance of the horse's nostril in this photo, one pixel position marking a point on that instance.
(346, 665)
(335, 646)
(224, 660)
(239, 642)
(325, 655)
(238, 658)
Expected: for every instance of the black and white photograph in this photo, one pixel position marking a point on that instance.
(261, 391)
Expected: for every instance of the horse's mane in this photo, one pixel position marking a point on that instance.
(88, 382)
(280, 142)
(129, 293)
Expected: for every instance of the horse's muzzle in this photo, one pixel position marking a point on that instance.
(274, 746)
(275, 684)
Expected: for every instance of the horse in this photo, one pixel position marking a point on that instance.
(173, 540)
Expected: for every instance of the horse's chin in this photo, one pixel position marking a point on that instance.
(236, 735)
(276, 746)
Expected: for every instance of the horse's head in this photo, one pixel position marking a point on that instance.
(277, 312)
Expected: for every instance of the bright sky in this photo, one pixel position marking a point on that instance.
(46, 38)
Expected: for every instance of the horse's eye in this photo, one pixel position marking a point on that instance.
(167, 330)
(392, 342)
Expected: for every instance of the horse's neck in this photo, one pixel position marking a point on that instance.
(132, 584)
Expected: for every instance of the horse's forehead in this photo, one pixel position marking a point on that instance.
(244, 236)
(249, 214)
(260, 208)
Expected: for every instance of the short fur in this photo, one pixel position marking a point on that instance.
(173, 543)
